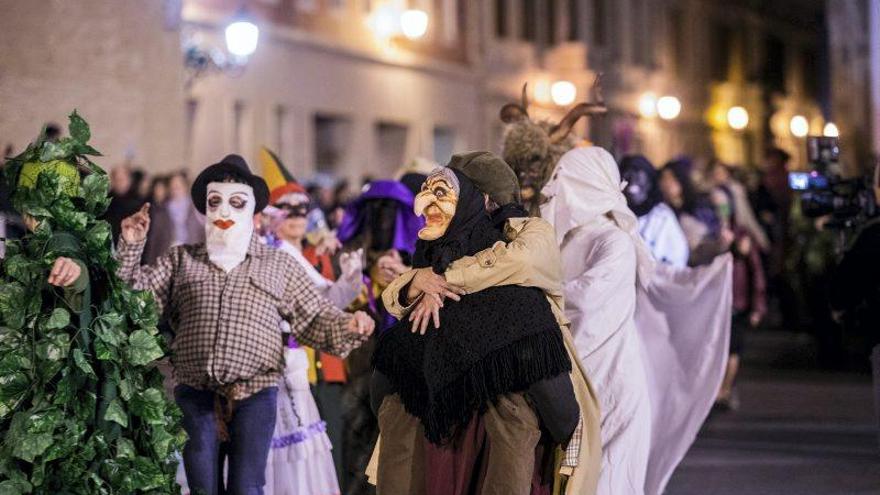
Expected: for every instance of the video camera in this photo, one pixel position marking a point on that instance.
(824, 190)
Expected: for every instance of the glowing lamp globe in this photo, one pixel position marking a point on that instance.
(414, 23)
(738, 118)
(668, 107)
(831, 130)
(799, 126)
(563, 92)
(241, 38)
(648, 105)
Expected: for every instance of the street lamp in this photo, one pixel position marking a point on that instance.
(668, 107)
(648, 105)
(799, 126)
(242, 37)
(414, 23)
(738, 118)
(831, 130)
(563, 92)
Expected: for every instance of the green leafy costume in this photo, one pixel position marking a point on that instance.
(82, 409)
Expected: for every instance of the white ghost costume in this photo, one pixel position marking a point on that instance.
(653, 337)
(603, 258)
(664, 237)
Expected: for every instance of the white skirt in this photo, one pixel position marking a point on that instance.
(300, 462)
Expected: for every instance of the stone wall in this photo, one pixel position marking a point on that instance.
(117, 61)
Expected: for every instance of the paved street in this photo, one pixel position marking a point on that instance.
(796, 432)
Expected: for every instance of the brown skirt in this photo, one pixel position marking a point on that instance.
(497, 453)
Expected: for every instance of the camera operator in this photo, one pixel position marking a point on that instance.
(855, 285)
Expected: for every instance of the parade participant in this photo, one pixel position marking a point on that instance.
(382, 223)
(287, 231)
(226, 300)
(496, 373)
(658, 225)
(604, 259)
(81, 404)
(529, 256)
(685, 351)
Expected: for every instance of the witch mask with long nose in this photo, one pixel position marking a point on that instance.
(437, 202)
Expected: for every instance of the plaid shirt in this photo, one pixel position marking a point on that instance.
(228, 325)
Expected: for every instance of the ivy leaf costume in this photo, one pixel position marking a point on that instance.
(81, 408)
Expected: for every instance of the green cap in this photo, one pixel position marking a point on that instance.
(490, 174)
(68, 175)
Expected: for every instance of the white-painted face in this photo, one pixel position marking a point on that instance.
(230, 222)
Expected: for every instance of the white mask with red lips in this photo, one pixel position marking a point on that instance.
(229, 223)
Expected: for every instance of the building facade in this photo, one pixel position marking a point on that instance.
(336, 90)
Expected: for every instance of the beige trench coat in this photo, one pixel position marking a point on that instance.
(530, 259)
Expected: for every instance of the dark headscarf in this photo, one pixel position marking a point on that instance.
(630, 168)
(470, 231)
(494, 342)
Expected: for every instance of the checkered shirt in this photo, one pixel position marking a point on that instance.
(228, 325)
(573, 449)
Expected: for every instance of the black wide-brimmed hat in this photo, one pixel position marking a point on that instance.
(230, 165)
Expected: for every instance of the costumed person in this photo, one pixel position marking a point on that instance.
(749, 291)
(382, 223)
(81, 404)
(287, 230)
(527, 256)
(658, 225)
(480, 389)
(706, 237)
(413, 174)
(226, 300)
(684, 350)
(604, 259)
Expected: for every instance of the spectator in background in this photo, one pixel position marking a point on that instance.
(125, 200)
(158, 192)
(53, 131)
(719, 176)
(175, 221)
(749, 291)
(705, 236)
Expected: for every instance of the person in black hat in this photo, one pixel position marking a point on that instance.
(226, 300)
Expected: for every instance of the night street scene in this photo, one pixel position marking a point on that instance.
(440, 247)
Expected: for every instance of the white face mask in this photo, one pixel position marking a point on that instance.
(230, 223)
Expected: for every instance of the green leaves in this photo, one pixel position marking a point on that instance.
(78, 128)
(59, 318)
(150, 406)
(116, 413)
(143, 348)
(82, 363)
(73, 397)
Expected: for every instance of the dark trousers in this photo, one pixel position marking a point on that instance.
(250, 435)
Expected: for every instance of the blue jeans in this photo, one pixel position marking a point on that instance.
(250, 435)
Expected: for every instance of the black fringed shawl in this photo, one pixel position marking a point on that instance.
(497, 341)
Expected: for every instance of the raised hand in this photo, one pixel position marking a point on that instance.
(361, 324)
(135, 227)
(64, 272)
(351, 264)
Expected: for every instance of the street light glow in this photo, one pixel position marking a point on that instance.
(241, 38)
(414, 23)
(668, 107)
(831, 130)
(799, 126)
(648, 105)
(385, 22)
(563, 92)
(738, 118)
